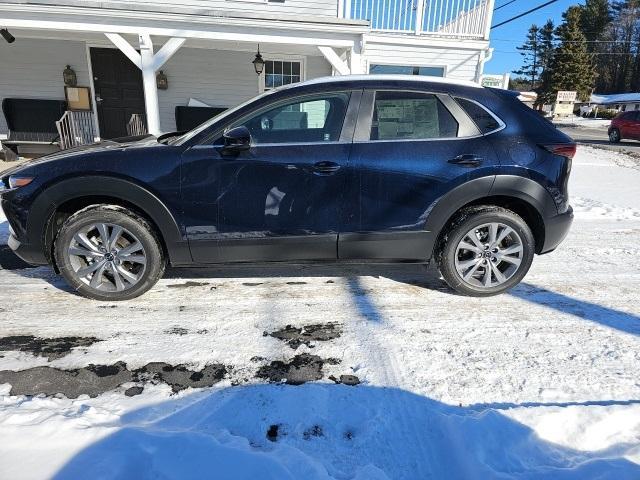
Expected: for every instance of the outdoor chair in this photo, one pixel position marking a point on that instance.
(32, 126)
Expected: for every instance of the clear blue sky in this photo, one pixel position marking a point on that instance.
(505, 39)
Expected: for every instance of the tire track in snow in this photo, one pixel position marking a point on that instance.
(389, 371)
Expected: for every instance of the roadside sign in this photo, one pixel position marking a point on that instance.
(564, 103)
(566, 96)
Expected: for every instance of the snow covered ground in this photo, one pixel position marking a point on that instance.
(542, 382)
(581, 122)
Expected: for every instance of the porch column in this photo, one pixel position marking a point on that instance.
(149, 64)
(149, 83)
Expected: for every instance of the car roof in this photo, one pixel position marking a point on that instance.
(374, 79)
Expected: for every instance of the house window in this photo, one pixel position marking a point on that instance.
(407, 70)
(279, 72)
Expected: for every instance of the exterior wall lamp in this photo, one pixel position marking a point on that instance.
(162, 81)
(69, 77)
(258, 63)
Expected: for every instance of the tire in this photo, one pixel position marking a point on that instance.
(457, 259)
(614, 135)
(123, 267)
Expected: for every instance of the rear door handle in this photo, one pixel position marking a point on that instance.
(325, 168)
(467, 160)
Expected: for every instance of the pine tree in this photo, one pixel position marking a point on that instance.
(530, 51)
(546, 44)
(595, 15)
(571, 66)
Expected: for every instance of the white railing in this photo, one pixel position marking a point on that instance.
(76, 129)
(450, 18)
(137, 125)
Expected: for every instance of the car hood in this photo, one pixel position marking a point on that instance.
(105, 146)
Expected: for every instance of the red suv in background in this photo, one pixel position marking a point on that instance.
(625, 125)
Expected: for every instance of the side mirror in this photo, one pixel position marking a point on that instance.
(237, 139)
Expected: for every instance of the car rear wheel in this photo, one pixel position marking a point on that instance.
(614, 135)
(486, 251)
(109, 253)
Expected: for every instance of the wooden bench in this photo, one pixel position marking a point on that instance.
(32, 126)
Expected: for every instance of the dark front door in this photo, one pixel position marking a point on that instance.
(279, 200)
(118, 89)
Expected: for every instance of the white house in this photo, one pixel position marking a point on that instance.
(206, 47)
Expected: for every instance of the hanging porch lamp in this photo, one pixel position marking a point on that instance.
(258, 63)
(69, 77)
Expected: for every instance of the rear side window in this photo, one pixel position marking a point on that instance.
(411, 115)
(482, 118)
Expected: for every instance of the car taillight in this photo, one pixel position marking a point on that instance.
(567, 150)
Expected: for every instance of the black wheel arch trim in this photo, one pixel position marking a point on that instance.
(525, 189)
(128, 191)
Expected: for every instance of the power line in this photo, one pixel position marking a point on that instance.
(524, 13)
(504, 5)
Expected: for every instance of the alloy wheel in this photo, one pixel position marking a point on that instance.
(489, 255)
(107, 257)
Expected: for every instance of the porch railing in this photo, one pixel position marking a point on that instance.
(76, 129)
(450, 18)
(137, 125)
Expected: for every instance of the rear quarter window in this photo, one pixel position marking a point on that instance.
(485, 122)
(400, 115)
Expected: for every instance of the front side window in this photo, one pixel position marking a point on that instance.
(411, 115)
(485, 122)
(313, 119)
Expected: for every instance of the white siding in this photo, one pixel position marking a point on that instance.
(220, 78)
(33, 69)
(290, 7)
(304, 7)
(459, 63)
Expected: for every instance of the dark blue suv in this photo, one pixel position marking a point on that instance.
(353, 168)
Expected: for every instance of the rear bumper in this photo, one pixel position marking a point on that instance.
(556, 230)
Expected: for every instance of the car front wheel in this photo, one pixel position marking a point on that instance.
(486, 251)
(108, 253)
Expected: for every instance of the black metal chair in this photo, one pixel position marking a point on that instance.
(32, 125)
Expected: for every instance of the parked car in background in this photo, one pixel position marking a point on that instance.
(625, 126)
(379, 168)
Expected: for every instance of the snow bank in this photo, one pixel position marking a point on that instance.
(318, 431)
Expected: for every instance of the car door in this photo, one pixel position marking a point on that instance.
(634, 126)
(278, 200)
(409, 149)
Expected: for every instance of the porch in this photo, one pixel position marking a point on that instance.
(204, 57)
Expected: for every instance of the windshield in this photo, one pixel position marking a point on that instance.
(189, 135)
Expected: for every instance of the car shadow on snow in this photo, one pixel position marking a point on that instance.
(331, 431)
(609, 317)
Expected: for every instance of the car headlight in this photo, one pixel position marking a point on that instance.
(16, 181)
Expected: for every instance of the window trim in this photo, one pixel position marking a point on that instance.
(282, 58)
(466, 127)
(501, 124)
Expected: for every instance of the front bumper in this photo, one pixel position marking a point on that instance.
(29, 253)
(556, 230)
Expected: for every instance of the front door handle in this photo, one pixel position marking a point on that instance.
(325, 168)
(467, 160)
